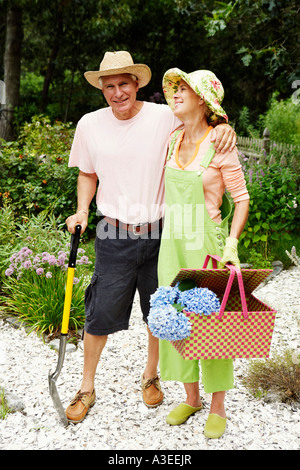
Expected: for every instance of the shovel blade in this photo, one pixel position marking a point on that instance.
(52, 381)
(56, 401)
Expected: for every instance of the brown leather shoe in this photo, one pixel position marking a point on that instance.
(152, 394)
(79, 406)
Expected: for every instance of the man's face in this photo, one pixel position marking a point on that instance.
(120, 93)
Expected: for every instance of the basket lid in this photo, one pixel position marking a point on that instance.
(216, 279)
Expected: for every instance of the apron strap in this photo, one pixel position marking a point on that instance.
(172, 142)
(206, 160)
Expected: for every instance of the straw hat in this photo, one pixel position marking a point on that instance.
(203, 82)
(119, 62)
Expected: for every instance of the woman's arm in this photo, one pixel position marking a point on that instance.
(240, 216)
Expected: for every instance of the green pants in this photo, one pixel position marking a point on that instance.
(216, 374)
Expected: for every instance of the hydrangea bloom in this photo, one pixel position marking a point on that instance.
(200, 300)
(164, 295)
(165, 322)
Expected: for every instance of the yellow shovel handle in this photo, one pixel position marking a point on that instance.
(68, 299)
(70, 279)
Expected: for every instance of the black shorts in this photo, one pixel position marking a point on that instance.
(124, 263)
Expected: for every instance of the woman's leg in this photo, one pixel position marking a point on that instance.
(192, 394)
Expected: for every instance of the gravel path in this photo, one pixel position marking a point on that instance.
(119, 420)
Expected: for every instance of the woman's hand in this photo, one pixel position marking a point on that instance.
(230, 253)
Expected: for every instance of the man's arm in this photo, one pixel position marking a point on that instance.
(86, 188)
(224, 137)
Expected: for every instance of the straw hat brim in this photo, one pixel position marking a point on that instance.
(141, 71)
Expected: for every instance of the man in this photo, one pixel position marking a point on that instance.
(123, 147)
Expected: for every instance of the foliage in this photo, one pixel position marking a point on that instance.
(34, 172)
(274, 206)
(280, 374)
(34, 287)
(4, 409)
(283, 120)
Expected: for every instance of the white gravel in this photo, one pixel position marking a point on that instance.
(119, 420)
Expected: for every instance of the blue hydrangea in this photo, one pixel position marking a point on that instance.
(200, 300)
(165, 322)
(164, 295)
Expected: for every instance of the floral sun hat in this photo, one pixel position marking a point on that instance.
(203, 82)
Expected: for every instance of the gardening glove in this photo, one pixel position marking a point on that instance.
(230, 253)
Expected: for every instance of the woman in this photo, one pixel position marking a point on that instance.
(196, 224)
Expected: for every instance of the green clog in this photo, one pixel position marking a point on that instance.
(181, 413)
(215, 426)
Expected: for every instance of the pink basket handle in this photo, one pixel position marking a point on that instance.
(233, 271)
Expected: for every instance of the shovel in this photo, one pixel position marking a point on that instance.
(64, 328)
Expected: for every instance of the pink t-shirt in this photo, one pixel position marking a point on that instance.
(223, 172)
(128, 157)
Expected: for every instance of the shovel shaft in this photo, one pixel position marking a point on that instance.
(70, 280)
(67, 304)
(52, 378)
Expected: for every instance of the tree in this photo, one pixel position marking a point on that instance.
(12, 67)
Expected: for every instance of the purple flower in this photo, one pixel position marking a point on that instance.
(75, 280)
(9, 271)
(48, 275)
(51, 260)
(250, 175)
(27, 264)
(61, 259)
(39, 271)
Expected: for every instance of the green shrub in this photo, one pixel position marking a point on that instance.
(280, 374)
(34, 272)
(34, 172)
(274, 207)
(283, 120)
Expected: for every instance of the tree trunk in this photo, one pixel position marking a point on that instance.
(12, 70)
(52, 58)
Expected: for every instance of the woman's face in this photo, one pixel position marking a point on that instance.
(186, 101)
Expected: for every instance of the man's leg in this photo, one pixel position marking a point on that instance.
(93, 347)
(152, 360)
(85, 398)
(152, 394)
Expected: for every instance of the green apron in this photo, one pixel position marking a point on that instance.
(190, 234)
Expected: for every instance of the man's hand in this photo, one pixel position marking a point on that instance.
(224, 137)
(80, 218)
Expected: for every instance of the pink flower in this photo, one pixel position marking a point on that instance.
(9, 271)
(215, 84)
